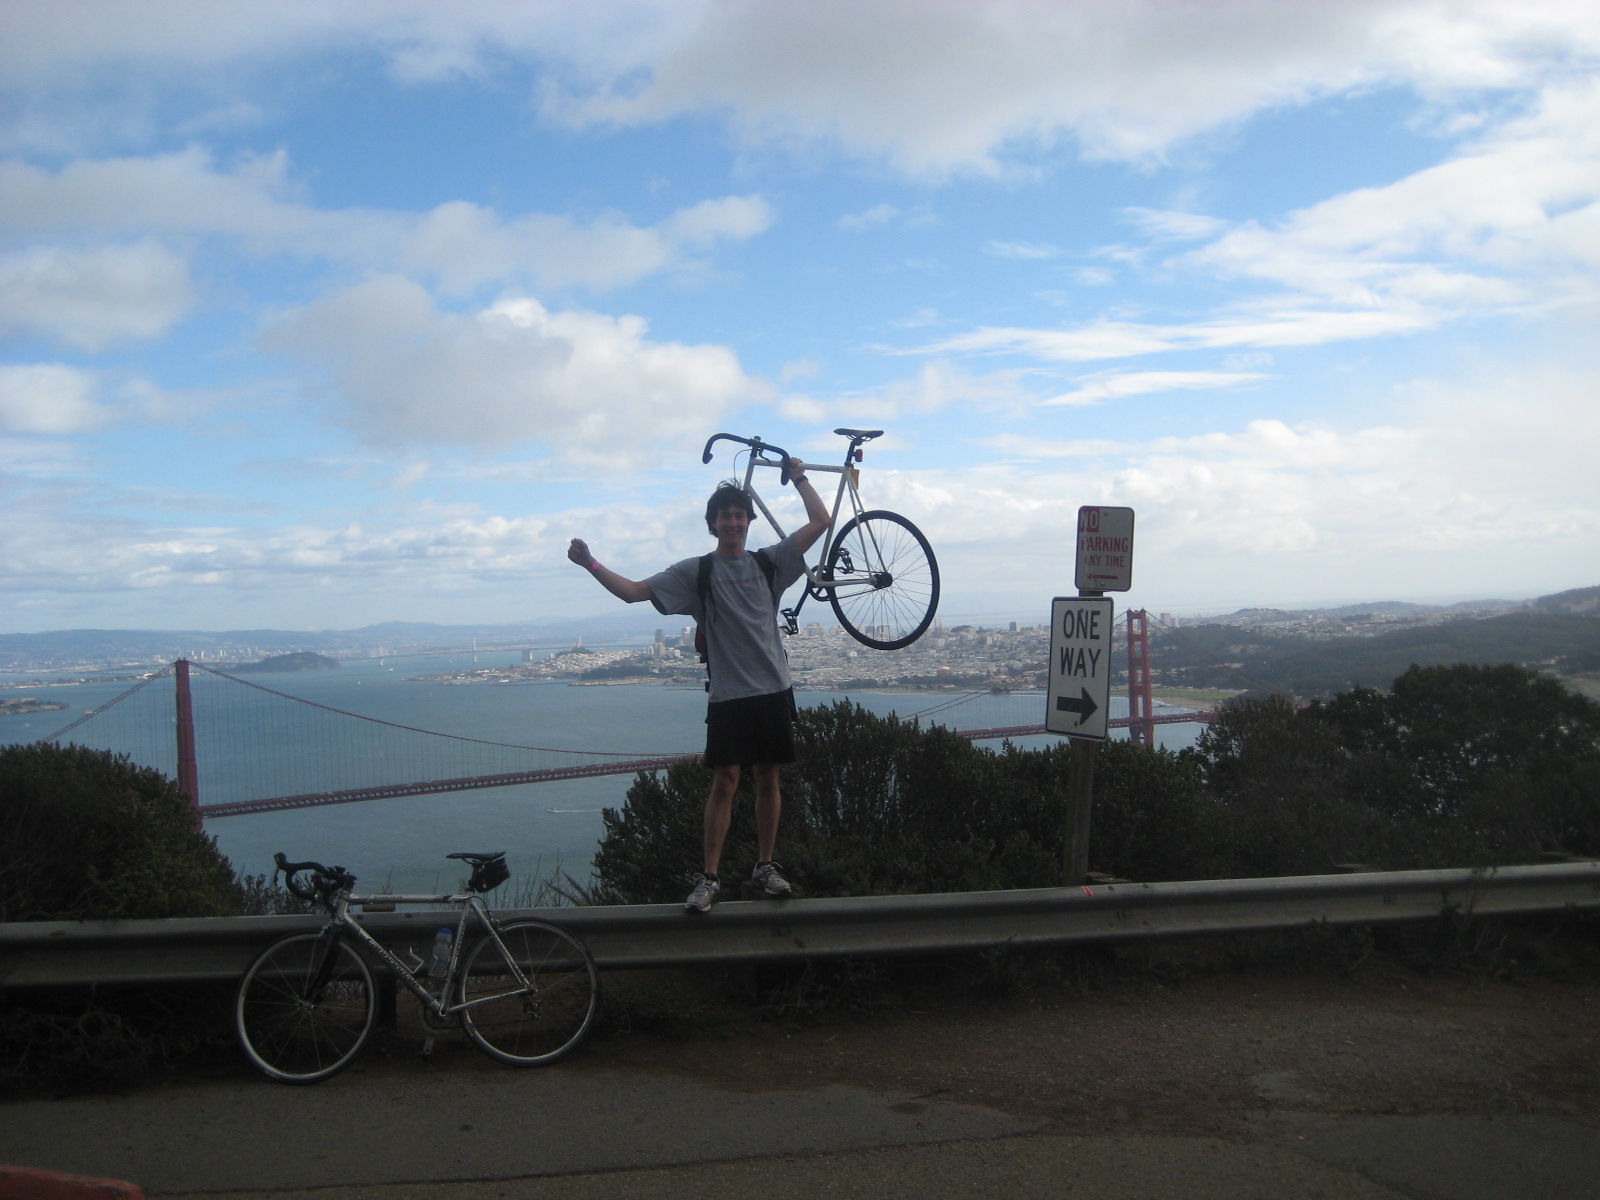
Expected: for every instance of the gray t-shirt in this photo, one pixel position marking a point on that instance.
(744, 650)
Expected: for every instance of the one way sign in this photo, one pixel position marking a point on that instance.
(1079, 693)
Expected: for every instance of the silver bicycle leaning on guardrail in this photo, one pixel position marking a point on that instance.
(524, 991)
(878, 571)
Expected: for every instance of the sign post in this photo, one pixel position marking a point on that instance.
(1078, 705)
(1079, 691)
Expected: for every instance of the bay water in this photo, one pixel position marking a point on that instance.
(251, 749)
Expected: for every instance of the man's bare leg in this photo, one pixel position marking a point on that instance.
(719, 813)
(769, 806)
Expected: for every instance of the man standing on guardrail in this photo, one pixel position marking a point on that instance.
(734, 596)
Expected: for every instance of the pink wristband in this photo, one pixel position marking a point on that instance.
(595, 565)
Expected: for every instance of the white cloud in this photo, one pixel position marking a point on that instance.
(871, 218)
(1127, 339)
(936, 387)
(939, 85)
(1163, 226)
(589, 385)
(928, 85)
(1021, 251)
(1477, 490)
(482, 566)
(92, 298)
(49, 398)
(1472, 490)
(461, 244)
(1510, 223)
(1512, 217)
(1118, 385)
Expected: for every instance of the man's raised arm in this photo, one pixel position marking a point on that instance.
(631, 590)
(817, 516)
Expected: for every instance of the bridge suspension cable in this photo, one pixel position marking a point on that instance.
(455, 737)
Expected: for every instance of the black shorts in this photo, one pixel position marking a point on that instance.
(750, 730)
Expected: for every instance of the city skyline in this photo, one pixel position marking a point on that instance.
(321, 318)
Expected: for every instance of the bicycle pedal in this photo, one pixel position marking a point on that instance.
(791, 622)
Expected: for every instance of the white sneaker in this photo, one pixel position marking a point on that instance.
(704, 895)
(767, 877)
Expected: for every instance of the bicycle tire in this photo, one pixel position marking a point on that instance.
(536, 1027)
(295, 1029)
(891, 551)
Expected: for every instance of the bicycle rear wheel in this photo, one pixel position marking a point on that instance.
(305, 1008)
(883, 580)
(537, 1025)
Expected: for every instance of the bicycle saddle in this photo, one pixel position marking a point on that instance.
(478, 858)
(860, 435)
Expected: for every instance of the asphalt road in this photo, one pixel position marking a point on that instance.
(576, 1133)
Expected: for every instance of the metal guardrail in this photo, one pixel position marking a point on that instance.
(66, 953)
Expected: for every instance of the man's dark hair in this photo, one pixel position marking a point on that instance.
(728, 495)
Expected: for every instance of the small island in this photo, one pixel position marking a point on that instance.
(27, 704)
(304, 661)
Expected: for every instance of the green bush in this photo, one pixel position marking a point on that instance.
(87, 835)
(880, 806)
(1456, 766)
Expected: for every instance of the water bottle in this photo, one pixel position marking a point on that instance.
(441, 954)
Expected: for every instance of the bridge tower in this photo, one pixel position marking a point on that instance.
(1141, 706)
(188, 774)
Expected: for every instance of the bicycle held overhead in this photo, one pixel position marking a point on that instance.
(877, 571)
(525, 991)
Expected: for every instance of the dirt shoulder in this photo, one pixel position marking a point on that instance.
(1203, 1056)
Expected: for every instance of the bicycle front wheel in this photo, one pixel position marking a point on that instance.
(305, 1008)
(534, 1025)
(882, 580)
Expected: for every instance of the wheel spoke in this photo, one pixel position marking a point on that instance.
(293, 1031)
(542, 1022)
(889, 581)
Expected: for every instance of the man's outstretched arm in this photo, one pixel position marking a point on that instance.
(623, 588)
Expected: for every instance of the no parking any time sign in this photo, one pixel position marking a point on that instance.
(1105, 549)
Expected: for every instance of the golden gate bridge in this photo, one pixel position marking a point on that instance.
(327, 755)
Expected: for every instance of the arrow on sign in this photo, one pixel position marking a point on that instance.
(1085, 708)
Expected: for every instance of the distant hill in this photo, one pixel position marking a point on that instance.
(1311, 664)
(1579, 602)
(87, 649)
(303, 661)
(1262, 636)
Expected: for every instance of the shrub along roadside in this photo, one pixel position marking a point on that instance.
(86, 835)
(877, 806)
(1456, 766)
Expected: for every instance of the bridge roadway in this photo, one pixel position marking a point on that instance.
(582, 771)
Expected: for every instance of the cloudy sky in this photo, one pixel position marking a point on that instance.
(323, 314)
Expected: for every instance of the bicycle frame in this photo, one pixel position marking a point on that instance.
(818, 583)
(341, 923)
